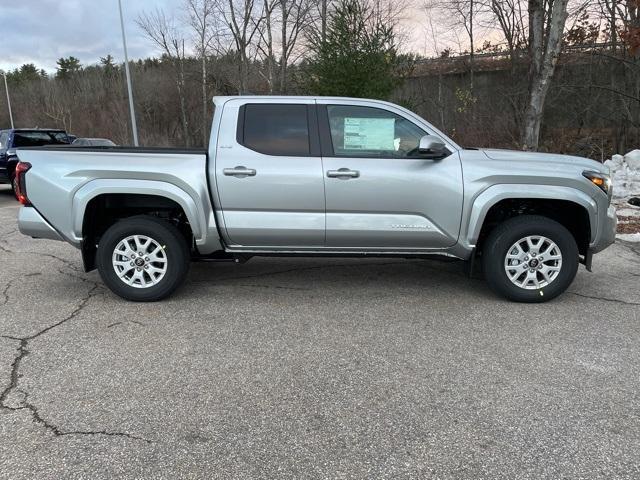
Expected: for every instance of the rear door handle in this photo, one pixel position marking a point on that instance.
(343, 173)
(240, 172)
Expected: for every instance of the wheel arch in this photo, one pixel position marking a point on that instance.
(574, 209)
(89, 199)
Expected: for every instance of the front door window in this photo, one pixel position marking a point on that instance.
(372, 132)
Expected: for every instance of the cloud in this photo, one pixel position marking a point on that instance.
(41, 31)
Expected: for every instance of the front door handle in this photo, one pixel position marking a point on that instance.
(240, 172)
(343, 173)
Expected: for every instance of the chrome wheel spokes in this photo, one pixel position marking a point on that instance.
(533, 262)
(139, 261)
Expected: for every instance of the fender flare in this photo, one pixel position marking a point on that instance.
(481, 205)
(202, 224)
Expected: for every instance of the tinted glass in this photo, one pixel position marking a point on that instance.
(100, 142)
(4, 138)
(62, 137)
(276, 129)
(372, 132)
(39, 138)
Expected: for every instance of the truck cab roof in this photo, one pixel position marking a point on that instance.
(35, 129)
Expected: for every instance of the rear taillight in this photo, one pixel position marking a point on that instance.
(21, 189)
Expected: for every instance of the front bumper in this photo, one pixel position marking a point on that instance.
(31, 223)
(607, 231)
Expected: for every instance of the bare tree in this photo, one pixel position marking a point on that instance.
(164, 33)
(56, 104)
(243, 17)
(624, 27)
(510, 17)
(291, 17)
(547, 19)
(266, 44)
(462, 13)
(324, 15)
(202, 19)
(318, 17)
(294, 18)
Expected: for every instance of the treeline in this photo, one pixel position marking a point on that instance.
(559, 75)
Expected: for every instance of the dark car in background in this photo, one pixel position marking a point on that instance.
(24, 137)
(93, 142)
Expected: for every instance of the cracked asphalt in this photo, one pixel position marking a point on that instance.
(312, 368)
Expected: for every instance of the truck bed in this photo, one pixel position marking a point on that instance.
(64, 177)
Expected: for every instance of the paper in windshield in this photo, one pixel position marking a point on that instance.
(369, 133)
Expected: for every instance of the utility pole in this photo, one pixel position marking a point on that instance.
(134, 126)
(8, 99)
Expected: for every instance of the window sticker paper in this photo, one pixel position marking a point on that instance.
(369, 133)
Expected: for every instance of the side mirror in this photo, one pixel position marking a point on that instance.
(432, 147)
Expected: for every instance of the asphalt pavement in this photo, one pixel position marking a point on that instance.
(314, 369)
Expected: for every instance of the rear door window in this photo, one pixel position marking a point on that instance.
(275, 129)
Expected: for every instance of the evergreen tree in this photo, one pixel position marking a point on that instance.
(357, 56)
(29, 72)
(108, 65)
(25, 74)
(67, 67)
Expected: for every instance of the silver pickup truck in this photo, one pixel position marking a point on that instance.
(309, 176)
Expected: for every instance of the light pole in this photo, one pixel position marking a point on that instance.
(8, 99)
(134, 126)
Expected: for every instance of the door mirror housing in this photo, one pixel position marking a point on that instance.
(432, 147)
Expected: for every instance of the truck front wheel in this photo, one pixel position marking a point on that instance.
(143, 258)
(530, 259)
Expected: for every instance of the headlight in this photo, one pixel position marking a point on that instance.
(600, 180)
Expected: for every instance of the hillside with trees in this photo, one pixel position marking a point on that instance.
(560, 75)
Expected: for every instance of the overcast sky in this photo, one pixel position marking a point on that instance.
(42, 31)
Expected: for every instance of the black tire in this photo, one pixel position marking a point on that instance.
(505, 235)
(175, 249)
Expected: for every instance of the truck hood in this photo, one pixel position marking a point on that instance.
(546, 158)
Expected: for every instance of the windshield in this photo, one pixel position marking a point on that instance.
(39, 138)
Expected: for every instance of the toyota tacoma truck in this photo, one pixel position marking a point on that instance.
(318, 176)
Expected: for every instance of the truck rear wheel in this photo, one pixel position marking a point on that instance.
(143, 258)
(530, 259)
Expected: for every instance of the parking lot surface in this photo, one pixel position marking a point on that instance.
(314, 368)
